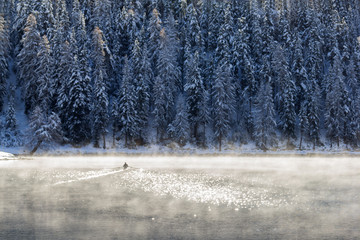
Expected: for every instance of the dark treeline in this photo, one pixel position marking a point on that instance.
(200, 72)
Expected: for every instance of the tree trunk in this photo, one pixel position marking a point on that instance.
(195, 133)
(220, 142)
(35, 148)
(126, 139)
(114, 133)
(301, 138)
(204, 136)
(157, 135)
(104, 141)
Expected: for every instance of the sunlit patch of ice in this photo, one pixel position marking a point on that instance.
(208, 189)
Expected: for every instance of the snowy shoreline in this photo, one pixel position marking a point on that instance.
(12, 153)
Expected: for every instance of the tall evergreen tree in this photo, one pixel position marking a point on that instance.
(336, 106)
(4, 51)
(179, 129)
(141, 71)
(98, 54)
(265, 124)
(223, 89)
(155, 27)
(197, 97)
(127, 103)
(166, 84)
(46, 19)
(44, 73)
(78, 106)
(100, 110)
(28, 62)
(285, 94)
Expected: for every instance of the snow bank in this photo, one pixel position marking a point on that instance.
(6, 156)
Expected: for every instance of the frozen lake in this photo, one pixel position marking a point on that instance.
(169, 197)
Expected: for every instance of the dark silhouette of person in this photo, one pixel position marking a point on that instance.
(125, 166)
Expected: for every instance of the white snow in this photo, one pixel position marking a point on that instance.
(6, 156)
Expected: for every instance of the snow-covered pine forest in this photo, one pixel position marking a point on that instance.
(201, 72)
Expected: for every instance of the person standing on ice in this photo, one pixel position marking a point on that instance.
(125, 166)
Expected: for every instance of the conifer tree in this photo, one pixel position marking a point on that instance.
(265, 124)
(197, 97)
(98, 54)
(78, 106)
(28, 62)
(179, 129)
(44, 73)
(46, 19)
(10, 121)
(128, 115)
(336, 107)
(299, 72)
(311, 109)
(101, 17)
(155, 26)
(43, 129)
(142, 71)
(100, 110)
(60, 88)
(4, 48)
(223, 89)
(285, 94)
(166, 84)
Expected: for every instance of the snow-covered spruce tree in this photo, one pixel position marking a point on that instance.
(121, 42)
(28, 62)
(286, 94)
(336, 106)
(46, 19)
(81, 42)
(264, 113)
(62, 15)
(284, 32)
(43, 129)
(179, 129)
(314, 43)
(224, 40)
(18, 25)
(166, 85)
(98, 54)
(44, 72)
(311, 109)
(10, 120)
(160, 105)
(223, 87)
(79, 27)
(197, 97)
(298, 71)
(223, 101)
(78, 106)
(141, 71)
(133, 23)
(155, 26)
(101, 16)
(256, 41)
(4, 48)
(10, 135)
(64, 68)
(244, 78)
(193, 28)
(128, 115)
(351, 126)
(100, 110)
